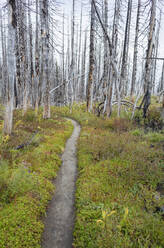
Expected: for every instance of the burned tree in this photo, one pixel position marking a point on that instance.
(91, 60)
(45, 58)
(147, 79)
(9, 94)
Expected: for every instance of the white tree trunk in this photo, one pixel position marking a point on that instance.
(147, 80)
(135, 56)
(45, 58)
(9, 98)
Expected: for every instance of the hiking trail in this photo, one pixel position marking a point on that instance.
(59, 221)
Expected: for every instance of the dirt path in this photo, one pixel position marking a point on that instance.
(60, 216)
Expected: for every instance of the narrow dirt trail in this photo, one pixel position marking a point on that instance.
(59, 222)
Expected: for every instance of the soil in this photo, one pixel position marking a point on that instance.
(60, 218)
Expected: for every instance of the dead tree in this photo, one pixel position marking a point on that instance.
(79, 54)
(110, 46)
(156, 48)
(147, 79)
(9, 97)
(135, 55)
(37, 61)
(31, 96)
(45, 58)
(4, 59)
(106, 53)
(25, 61)
(71, 74)
(83, 70)
(125, 54)
(91, 59)
(161, 89)
(112, 80)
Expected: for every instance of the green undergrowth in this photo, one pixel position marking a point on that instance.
(26, 176)
(120, 167)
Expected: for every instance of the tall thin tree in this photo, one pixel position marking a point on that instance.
(91, 59)
(9, 97)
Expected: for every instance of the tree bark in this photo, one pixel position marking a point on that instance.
(125, 49)
(45, 58)
(134, 72)
(91, 60)
(114, 56)
(147, 78)
(12, 23)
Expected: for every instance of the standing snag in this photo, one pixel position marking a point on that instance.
(147, 79)
(9, 93)
(45, 58)
(91, 60)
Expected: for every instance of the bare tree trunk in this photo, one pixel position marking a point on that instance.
(76, 58)
(4, 60)
(37, 60)
(91, 60)
(83, 70)
(111, 49)
(31, 66)
(162, 85)
(18, 47)
(63, 60)
(18, 71)
(135, 55)
(106, 53)
(156, 52)
(126, 48)
(79, 54)
(12, 22)
(26, 63)
(72, 66)
(99, 65)
(68, 73)
(45, 58)
(114, 56)
(148, 85)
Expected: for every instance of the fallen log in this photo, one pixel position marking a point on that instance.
(28, 142)
(123, 102)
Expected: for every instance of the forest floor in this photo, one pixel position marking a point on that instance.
(119, 187)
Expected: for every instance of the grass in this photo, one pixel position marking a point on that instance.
(119, 169)
(26, 177)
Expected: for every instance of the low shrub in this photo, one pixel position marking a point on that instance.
(121, 125)
(29, 116)
(137, 132)
(20, 182)
(138, 117)
(153, 119)
(155, 137)
(4, 175)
